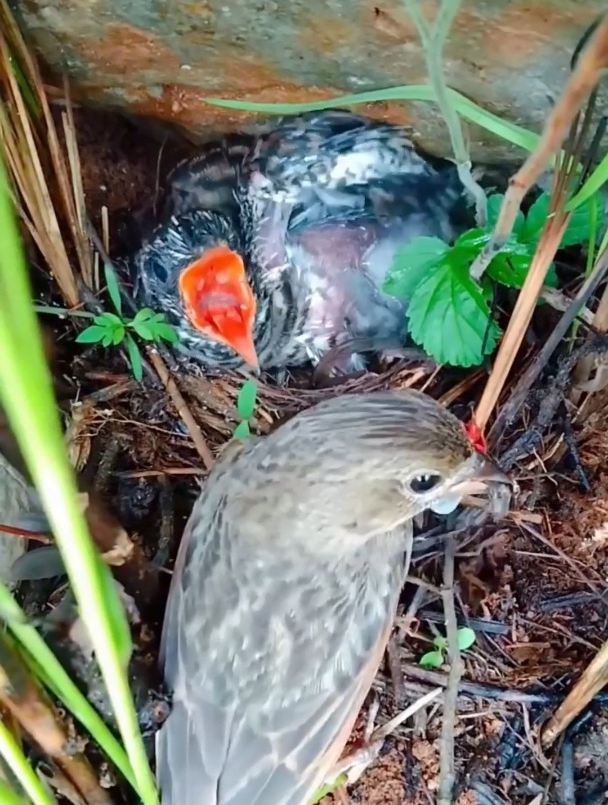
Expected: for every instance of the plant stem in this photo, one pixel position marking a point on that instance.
(27, 395)
(433, 40)
(27, 777)
(63, 311)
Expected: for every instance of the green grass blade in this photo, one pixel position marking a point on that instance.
(26, 393)
(50, 671)
(8, 796)
(516, 135)
(17, 762)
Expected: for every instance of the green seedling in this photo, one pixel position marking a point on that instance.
(245, 406)
(448, 312)
(435, 658)
(111, 329)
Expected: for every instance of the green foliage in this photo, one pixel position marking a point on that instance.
(111, 329)
(328, 788)
(27, 398)
(245, 406)
(448, 312)
(435, 658)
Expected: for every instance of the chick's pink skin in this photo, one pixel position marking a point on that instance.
(285, 589)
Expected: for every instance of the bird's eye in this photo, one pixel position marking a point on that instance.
(424, 483)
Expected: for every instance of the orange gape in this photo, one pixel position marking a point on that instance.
(218, 300)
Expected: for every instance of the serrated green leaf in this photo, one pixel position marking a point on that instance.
(432, 659)
(165, 332)
(113, 288)
(466, 637)
(245, 402)
(450, 319)
(134, 358)
(118, 333)
(410, 265)
(242, 430)
(535, 219)
(143, 329)
(494, 205)
(107, 320)
(91, 335)
(509, 269)
(580, 225)
(578, 230)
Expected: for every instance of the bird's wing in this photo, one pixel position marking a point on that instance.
(330, 151)
(259, 745)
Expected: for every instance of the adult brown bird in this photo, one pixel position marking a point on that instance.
(275, 247)
(285, 589)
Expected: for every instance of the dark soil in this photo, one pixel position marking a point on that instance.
(533, 587)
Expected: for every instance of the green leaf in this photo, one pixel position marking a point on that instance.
(494, 205)
(551, 278)
(91, 335)
(440, 643)
(580, 225)
(145, 314)
(245, 402)
(143, 329)
(450, 319)
(432, 659)
(107, 340)
(242, 430)
(410, 265)
(509, 269)
(107, 320)
(535, 220)
(134, 358)
(165, 332)
(466, 637)
(118, 333)
(328, 788)
(113, 288)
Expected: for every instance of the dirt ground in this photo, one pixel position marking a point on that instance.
(533, 587)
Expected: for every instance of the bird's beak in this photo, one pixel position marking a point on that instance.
(218, 300)
(483, 472)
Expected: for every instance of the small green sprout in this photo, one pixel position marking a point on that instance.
(245, 406)
(111, 329)
(435, 658)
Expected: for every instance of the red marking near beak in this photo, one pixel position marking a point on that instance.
(475, 436)
(218, 300)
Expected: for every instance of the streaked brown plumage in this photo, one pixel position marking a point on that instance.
(285, 589)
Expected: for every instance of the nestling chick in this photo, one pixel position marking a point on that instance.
(285, 588)
(275, 247)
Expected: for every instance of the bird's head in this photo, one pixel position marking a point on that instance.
(193, 267)
(361, 465)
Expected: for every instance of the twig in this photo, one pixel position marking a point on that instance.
(585, 75)
(181, 407)
(163, 372)
(433, 40)
(594, 678)
(447, 772)
(516, 400)
(22, 696)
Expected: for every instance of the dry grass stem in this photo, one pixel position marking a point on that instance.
(592, 61)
